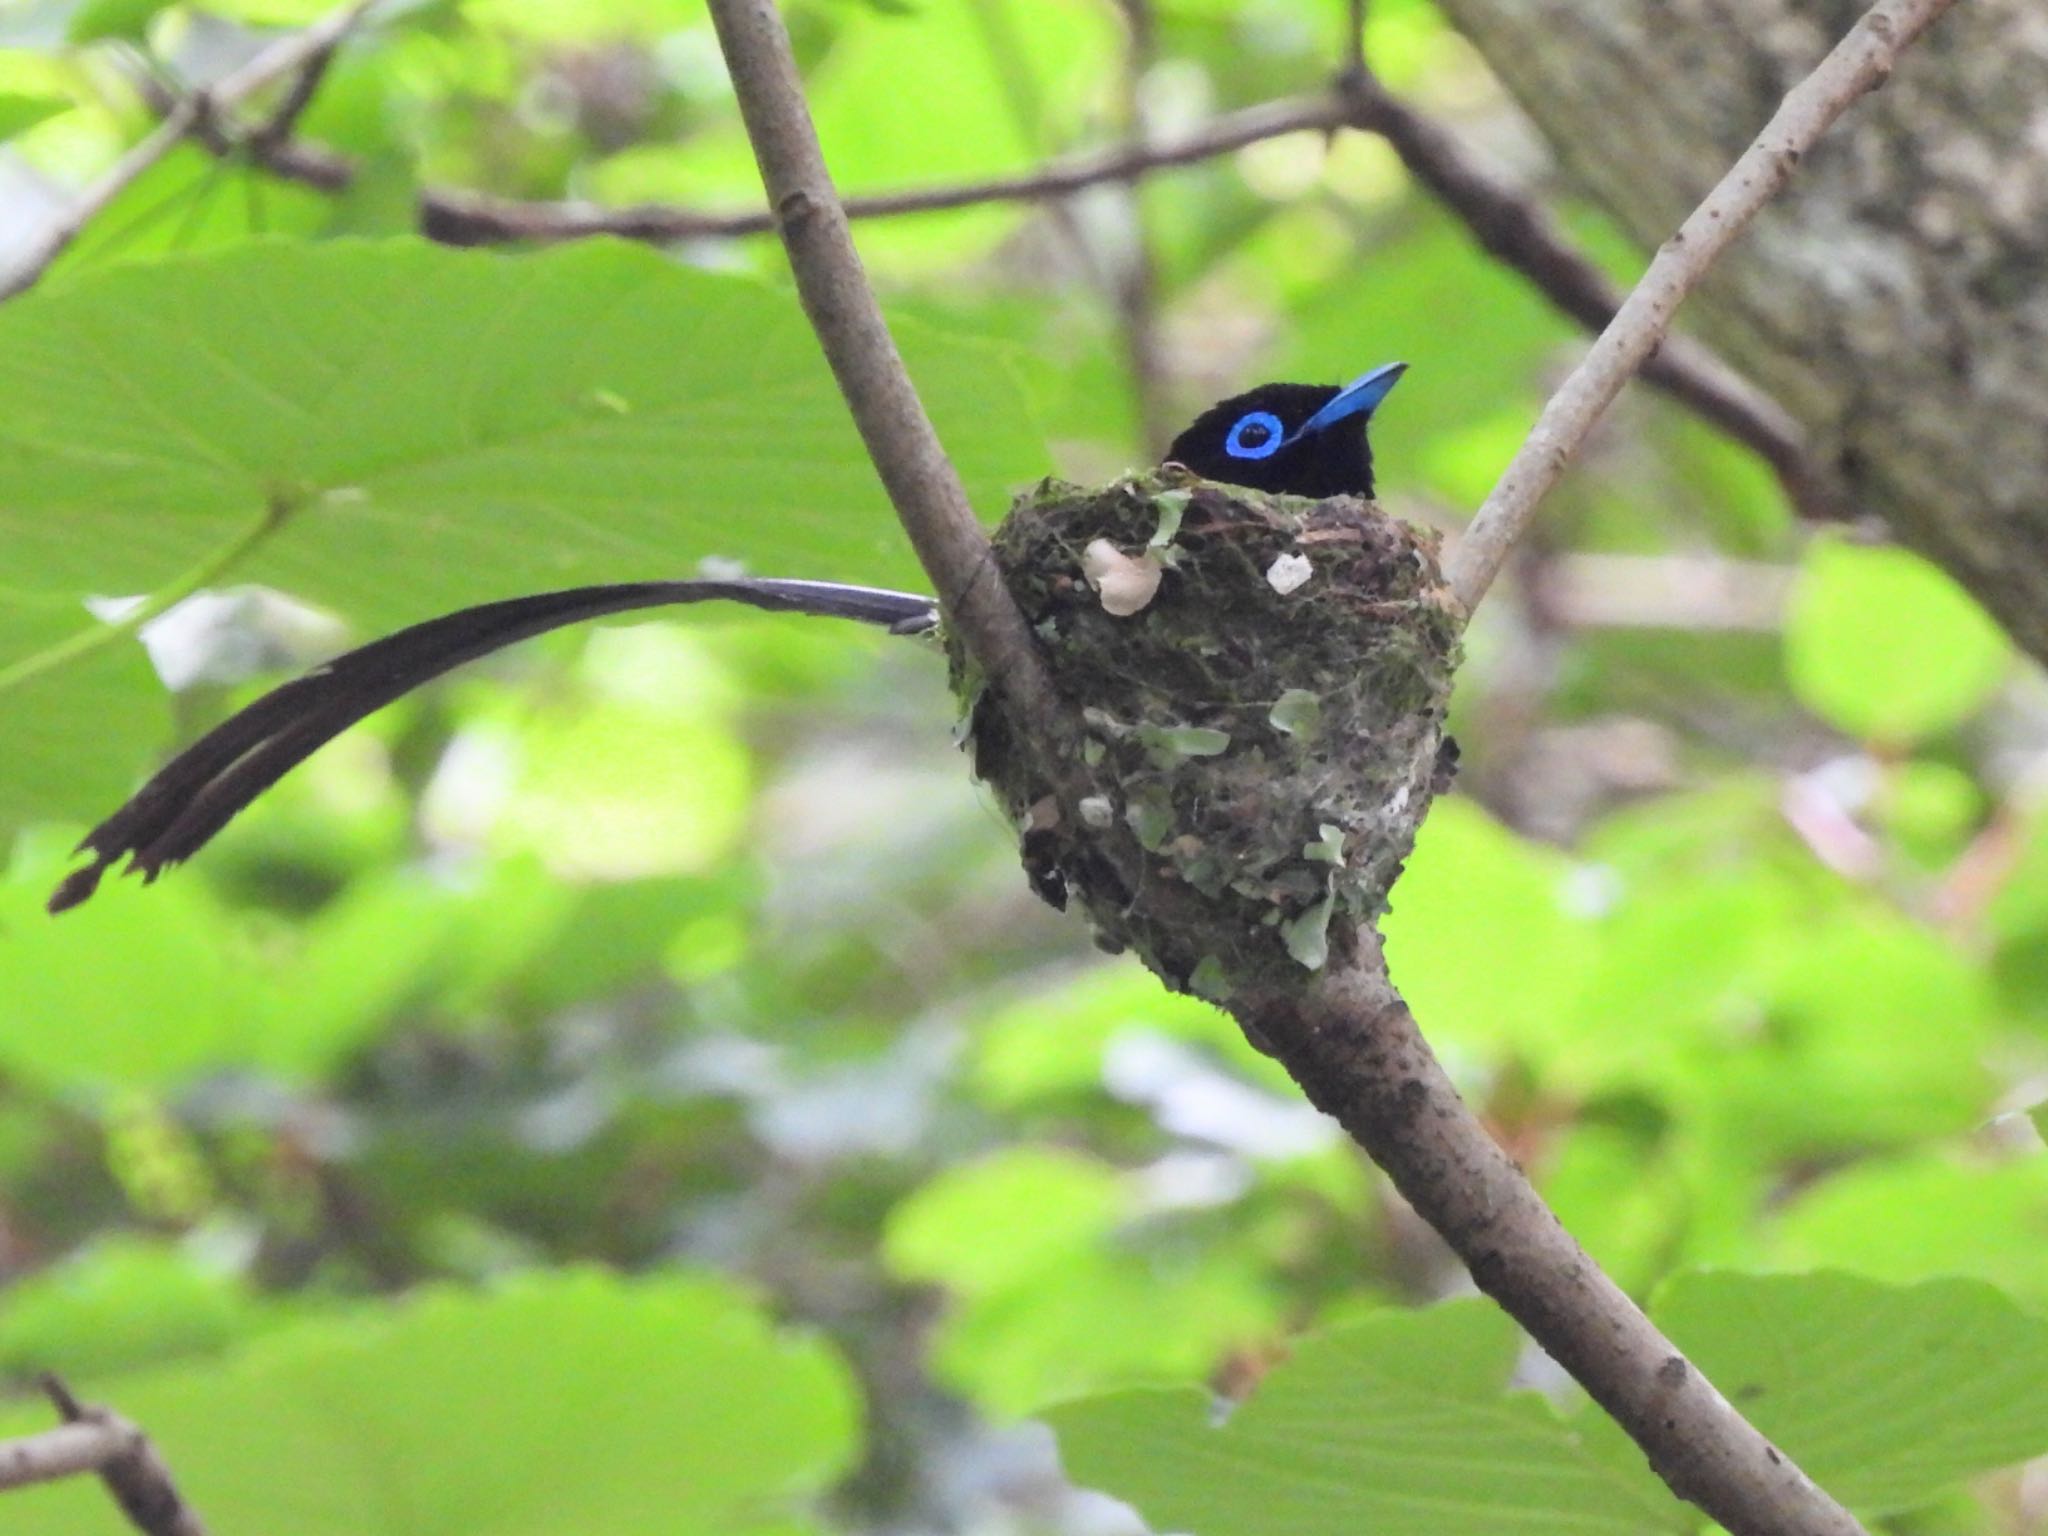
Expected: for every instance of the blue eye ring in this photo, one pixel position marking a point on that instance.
(1276, 434)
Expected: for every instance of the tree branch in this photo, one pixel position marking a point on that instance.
(1517, 230)
(474, 218)
(188, 116)
(921, 481)
(99, 1441)
(1860, 62)
(1355, 1049)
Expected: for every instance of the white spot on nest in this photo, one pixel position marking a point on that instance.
(1127, 584)
(1289, 573)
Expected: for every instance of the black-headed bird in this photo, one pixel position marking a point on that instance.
(1294, 439)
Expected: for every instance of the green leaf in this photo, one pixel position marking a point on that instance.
(1885, 1395)
(20, 111)
(452, 426)
(1398, 1426)
(573, 1402)
(1056, 1291)
(78, 730)
(1884, 646)
(1920, 1217)
(97, 19)
(1472, 880)
(139, 987)
(123, 1303)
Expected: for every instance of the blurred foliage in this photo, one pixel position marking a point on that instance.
(629, 1087)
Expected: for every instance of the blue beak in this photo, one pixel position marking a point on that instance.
(1361, 397)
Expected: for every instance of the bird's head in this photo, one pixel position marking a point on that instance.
(1300, 439)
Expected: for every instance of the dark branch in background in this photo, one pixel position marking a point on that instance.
(190, 116)
(1137, 282)
(98, 1441)
(476, 218)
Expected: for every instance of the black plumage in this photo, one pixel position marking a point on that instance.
(1304, 439)
(1297, 439)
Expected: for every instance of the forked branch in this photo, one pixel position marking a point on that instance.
(99, 1441)
(1859, 63)
(1347, 1037)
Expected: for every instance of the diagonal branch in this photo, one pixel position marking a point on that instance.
(188, 117)
(1859, 63)
(1518, 231)
(97, 1440)
(922, 483)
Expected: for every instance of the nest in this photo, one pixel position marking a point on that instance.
(1257, 686)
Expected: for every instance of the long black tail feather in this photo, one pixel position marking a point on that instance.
(201, 789)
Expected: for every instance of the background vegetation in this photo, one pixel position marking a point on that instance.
(631, 1088)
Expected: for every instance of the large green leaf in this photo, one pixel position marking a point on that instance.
(1396, 1426)
(139, 988)
(1881, 644)
(1884, 1394)
(429, 428)
(1922, 1217)
(1075, 1296)
(571, 1403)
(78, 726)
(442, 426)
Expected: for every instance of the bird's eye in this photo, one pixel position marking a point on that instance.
(1255, 435)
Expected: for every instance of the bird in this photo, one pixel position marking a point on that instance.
(1293, 439)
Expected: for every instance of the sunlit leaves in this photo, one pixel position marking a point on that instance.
(446, 426)
(569, 1402)
(20, 111)
(78, 720)
(1920, 1216)
(1063, 1280)
(1882, 645)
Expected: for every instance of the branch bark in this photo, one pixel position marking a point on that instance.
(96, 1440)
(1356, 1051)
(1859, 63)
(1895, 300)
(1517, 230)
(921, 481)
(187, 117)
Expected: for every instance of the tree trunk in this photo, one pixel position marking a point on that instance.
(1896, 298)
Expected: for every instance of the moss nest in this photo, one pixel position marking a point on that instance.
(1257, 686)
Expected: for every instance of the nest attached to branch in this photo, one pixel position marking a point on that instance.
(1257, 686)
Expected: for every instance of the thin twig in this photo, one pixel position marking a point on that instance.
(98, 1441)
(475, 218)
(1516, 229)
(1861, 61)
(283, 121)
(921, 481)
(1136, 284)
(187, 117)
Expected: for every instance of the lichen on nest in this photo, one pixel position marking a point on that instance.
(1253, 746)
